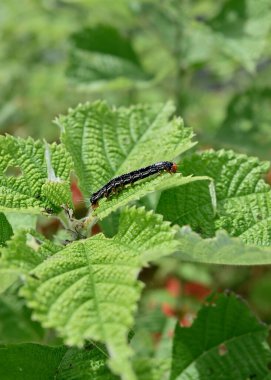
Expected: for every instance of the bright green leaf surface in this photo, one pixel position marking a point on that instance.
(243, 197)
(29, 172)
(103, 54)
(105, 142)
(225, 342)
(89, 290)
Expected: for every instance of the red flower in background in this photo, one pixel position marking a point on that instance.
(168, 310)
(196, 290)
(77, 196)
(174, 286)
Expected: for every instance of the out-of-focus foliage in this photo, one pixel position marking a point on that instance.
(247, 122)
(101, 54)
(203, 55)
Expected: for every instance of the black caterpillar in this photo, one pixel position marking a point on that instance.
(130, 178)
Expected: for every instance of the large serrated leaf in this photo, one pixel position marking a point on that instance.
(225, 342)
(89, 290)
(25, 171)
(243, 197)
(105, 142)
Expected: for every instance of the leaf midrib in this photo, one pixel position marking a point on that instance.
(91, 276)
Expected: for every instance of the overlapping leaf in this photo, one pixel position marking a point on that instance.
(101, 54)
(26, 181)
(31, 361)
(5, 229)
(21, 220)
(16, 325)
(105, 142)
(22, 253)
(89, 290)
(225, 342)
(243, 197)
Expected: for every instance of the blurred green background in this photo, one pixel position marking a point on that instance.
(212, 59)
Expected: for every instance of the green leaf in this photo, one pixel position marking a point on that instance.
(21, 220)
(259, 294)
(33, 361)
(100, 54)
(29, 361)
(225, 342)
(243, 198)
(23, 252)
(222, 249)
(189, 204)
(89, 290)
(105, 142)
(16, 325)
(28, 169)
(5, 229)
(247, 122)
(241, 29)
(132, 193)
(152, 368)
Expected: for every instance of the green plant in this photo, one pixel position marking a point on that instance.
(86, 287)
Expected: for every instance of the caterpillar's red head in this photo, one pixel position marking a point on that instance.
(174, 167)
